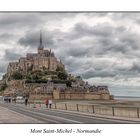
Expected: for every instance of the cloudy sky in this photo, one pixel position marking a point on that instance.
(104, 48)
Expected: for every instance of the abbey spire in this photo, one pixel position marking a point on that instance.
(40, 43)
(40, 47)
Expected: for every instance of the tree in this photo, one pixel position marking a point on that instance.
(35, 77)
(62, 75)
(51, 72)
(60, 68)
(28, 77)
(54, 77)
(17, 76)
(68, 83)
(41, 81)
(3, 87)
(78, 77)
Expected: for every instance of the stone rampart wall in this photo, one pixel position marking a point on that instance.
(80, 96)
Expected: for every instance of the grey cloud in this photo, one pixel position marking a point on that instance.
(16, 20)
(98, 30)
(129, 17)
(3, 66)
(98, 73)
(2, 69)
(105, 38)
(79, 51)
(30, 20)
(10, 55)
(32, 39)
(135, 68)
(6, 36)
(80, 47)
(125, 16)
(113, 73)
(103, 35)
(113, 41)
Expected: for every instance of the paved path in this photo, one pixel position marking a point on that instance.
(9, 116)
(12, 113)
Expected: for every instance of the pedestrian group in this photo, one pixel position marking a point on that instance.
(48, 103)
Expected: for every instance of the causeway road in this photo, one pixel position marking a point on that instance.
(20, 114)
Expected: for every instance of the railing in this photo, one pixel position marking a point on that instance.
(110, 110)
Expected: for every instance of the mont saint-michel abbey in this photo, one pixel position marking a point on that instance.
(41, 75)
(43, 59)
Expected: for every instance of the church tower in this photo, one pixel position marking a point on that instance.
(41, 47)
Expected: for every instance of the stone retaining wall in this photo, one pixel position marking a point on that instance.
(126, 112)
(130, 112)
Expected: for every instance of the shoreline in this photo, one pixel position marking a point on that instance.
(126, 98)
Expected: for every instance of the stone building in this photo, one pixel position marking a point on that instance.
(43, 90)
(42, 60)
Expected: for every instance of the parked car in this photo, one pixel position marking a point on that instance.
(1, 98)
(20, 99)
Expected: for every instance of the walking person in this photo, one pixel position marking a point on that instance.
(50, 103)
(15, 100)
(26, 101)
(9, 99)
(46, 102)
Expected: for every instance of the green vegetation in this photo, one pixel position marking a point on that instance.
(78, 77)
(17, 76)
(38, 76)
(58, 81)
(50, 72)
(37, 72)
(62, 75)
(28, 77)
(35, 77)
(3, 87)
(37, 81)
(68, 83)
(60, 69)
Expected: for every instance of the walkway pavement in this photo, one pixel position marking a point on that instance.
(9, 116)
